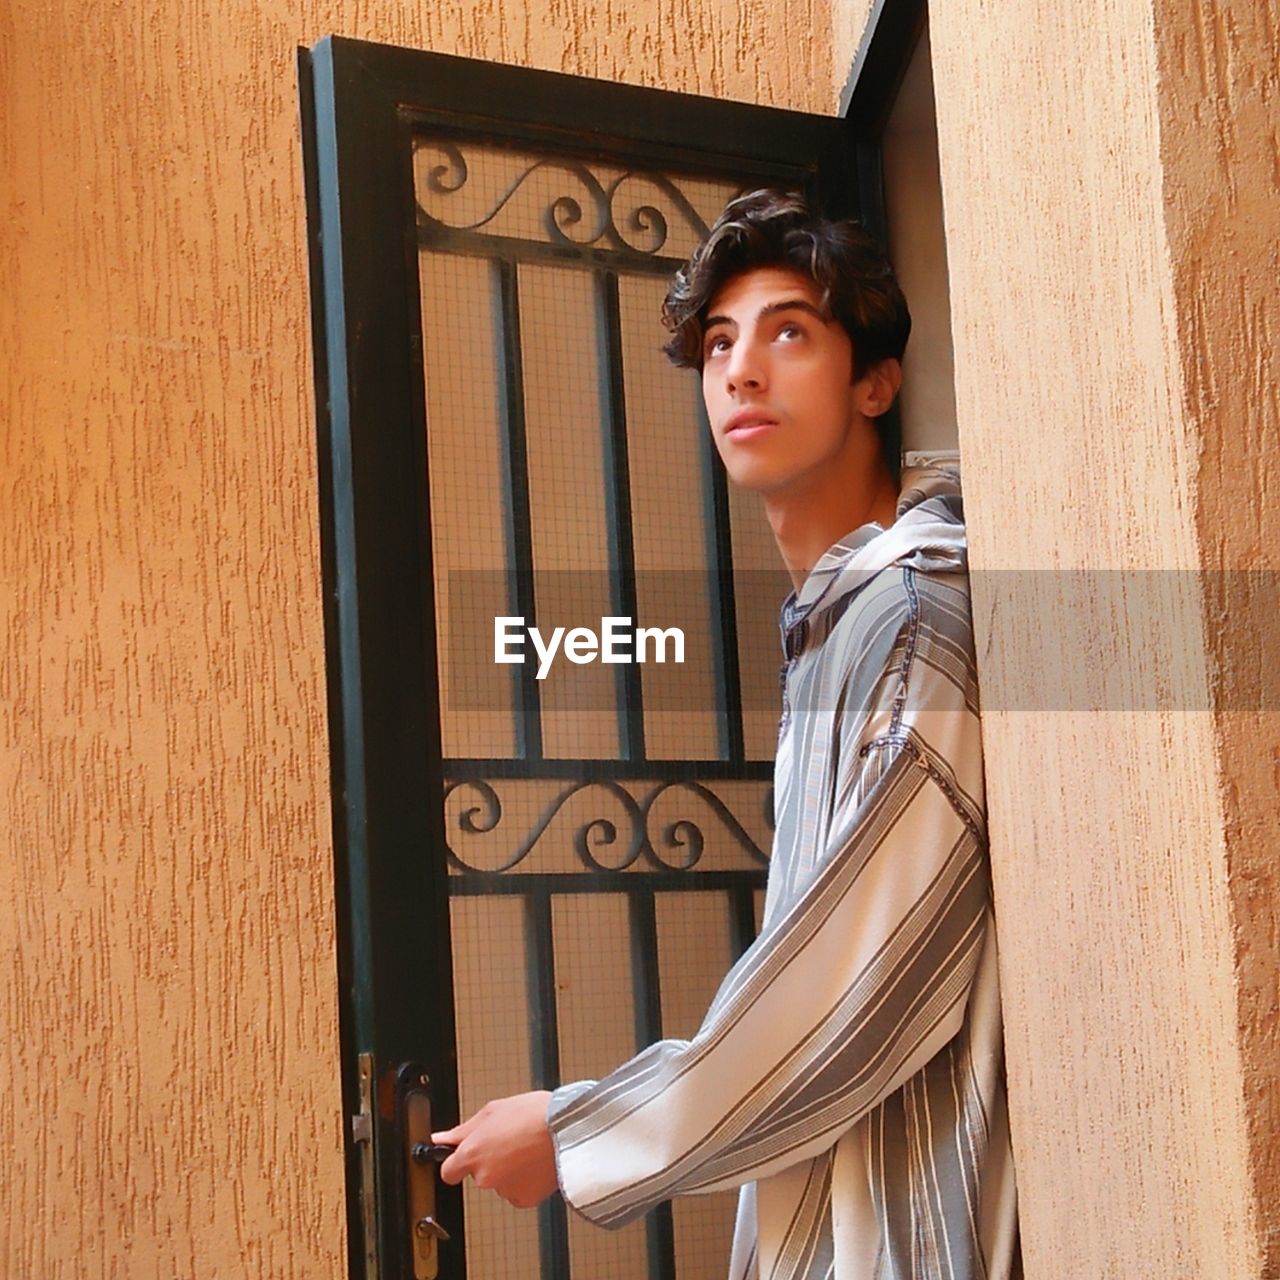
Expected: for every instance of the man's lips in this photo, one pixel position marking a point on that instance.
(747, 423)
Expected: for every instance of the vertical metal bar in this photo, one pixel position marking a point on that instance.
(622, 542)
(517, 504)
(646, 986)
(362, 1237)
(742, 918)
(646, 981)
(553, 1222)
(724, 618)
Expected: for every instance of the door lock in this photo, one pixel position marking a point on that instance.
(421, 1156)
(427, 1235)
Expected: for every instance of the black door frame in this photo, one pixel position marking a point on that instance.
(359, 104)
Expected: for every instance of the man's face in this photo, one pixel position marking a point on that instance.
(777, 381)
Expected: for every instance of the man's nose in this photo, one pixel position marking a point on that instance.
(745, 371)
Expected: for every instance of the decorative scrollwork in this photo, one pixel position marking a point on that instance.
(455, 167)
(649, 225)
(632, 212)
(599, 833)
(681, 835)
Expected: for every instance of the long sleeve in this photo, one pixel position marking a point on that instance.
(875, 920)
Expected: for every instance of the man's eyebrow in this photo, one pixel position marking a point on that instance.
(792, 304)
(785, 304)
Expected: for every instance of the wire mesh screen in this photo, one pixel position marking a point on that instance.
(493, 1017)
(596, 999)
(607, 822)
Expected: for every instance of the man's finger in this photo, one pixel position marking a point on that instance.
(454, 1169)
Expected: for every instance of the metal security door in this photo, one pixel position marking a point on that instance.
(537, 876)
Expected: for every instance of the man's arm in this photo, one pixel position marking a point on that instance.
(860, 976)
(853, 991)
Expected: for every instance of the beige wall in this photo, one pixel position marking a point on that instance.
(917, 245)
(166, 981)
(167, 987)
(852, 24)
(1109, 181)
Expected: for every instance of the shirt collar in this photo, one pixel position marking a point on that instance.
(799, 604)
(919, 485)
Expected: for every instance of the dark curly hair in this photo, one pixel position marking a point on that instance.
(777, 228)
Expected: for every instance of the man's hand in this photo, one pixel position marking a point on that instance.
(506, 1147)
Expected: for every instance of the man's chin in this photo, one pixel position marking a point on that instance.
(750, 484)
(763, 481)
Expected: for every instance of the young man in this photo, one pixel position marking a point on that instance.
(849, 1073)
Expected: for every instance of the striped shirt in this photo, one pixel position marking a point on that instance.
(849, 1074)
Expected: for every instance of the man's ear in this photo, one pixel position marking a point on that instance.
(878, 387)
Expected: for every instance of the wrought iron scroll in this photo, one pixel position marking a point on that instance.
(593, 210)
(681, 837)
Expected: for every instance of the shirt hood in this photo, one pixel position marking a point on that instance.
(927, 534)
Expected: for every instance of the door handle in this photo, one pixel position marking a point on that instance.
(432, 1152)
(421, 1155)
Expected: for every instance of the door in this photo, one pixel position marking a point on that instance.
(537, 873)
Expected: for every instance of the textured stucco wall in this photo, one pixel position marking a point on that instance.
(1219, 70)
(1109, 182)
(852, 22)
(166, 917)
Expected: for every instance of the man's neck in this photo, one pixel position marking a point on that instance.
(806, 525)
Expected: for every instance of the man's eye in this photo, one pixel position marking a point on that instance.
(716, 345)
(790, 331)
